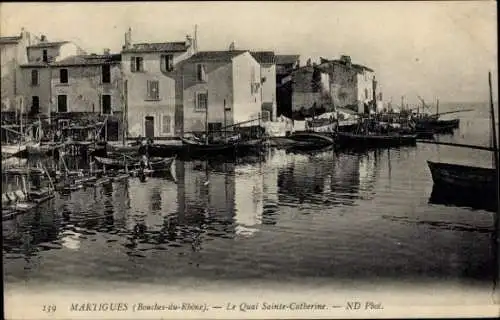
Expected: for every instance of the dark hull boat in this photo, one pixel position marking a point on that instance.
(354, 140)
(462, 185)
(462, 176)
(437, 126)
(194, 147)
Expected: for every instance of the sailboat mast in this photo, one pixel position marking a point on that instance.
(493, 124)
(437, 107)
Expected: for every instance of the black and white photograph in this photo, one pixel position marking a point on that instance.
(249, 159)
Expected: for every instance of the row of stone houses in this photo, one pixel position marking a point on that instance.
(159, 90)
(170, 89)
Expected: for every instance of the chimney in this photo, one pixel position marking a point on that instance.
(189, 41)
(195, 38)
(232, 46)
(128, 39)
(43, 38)
(106, 51)
(346, 60)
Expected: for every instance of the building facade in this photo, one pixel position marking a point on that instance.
(150, 73)
(220, 88)
(351, 85)
(310, 91)
(285, 64)
(267, 62)
(13, 53)
(37, 74)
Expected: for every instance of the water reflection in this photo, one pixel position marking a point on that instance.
(298, 214)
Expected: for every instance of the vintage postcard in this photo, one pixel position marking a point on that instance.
(226, 160)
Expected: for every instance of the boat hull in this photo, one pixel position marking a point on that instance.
(352, 140)
(116, 163)
(474, 179)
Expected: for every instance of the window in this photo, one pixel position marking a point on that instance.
(63, 76)
(106, 73)
(35, 105)
(62, 103)
(201, 101)
(153, 93)
(34, 77)
(201, 72)
(167, 63)
(366, 93)
(165, 124)
(137, 64)
(106, 104)
(45, 56)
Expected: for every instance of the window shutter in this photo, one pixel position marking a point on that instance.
(132, 64)
(148, 89)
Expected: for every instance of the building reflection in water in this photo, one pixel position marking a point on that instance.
(249, 180)
(326, 178)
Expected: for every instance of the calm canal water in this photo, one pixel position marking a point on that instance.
(333, 215)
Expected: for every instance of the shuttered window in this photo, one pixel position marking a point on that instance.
(34, 77)
(137, 64)
(201, 101)
(166, 124)
(167, 63)
(153, 90)
(63, 75)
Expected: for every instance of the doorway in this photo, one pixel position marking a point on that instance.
(149, 127)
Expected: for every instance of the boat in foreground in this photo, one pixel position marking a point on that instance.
(464, 185)
(123, 162)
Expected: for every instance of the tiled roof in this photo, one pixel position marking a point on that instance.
(215, 56)
(48, 44)
(359, 67)
(35, 64)
(158, 47)
(79, 60)
(9, 40)
(82, 60)
(264, 56)
(287, 58)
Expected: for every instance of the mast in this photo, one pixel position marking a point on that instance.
(206, 121)
(493, 125)
(496, 229)
(437, 107)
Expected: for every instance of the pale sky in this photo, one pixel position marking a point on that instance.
(433, 49)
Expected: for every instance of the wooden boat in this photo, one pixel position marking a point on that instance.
(194, 145)
(476, 182)
(128, 149)
(314, 137)
(356, 140)
(462, 176)
(122, 162)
